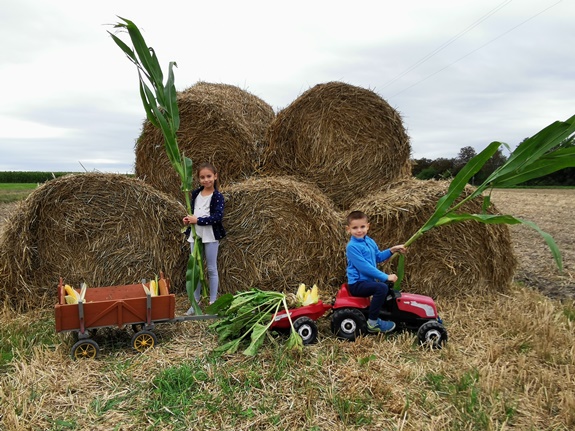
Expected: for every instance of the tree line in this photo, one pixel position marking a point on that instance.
(446, 168)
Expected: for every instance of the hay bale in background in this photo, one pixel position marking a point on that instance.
(219, 123)
(281, 232)
(447, 260)
(102, 229)
(346, 139)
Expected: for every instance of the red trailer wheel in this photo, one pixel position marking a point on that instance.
(85, 349)
(144, 340)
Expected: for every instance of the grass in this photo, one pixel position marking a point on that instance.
(509, 365)
(13, 192)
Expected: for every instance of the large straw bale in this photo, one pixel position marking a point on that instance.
(447, 260)
(345, 139)
(281, 232)
(101, 229)
(219, 123)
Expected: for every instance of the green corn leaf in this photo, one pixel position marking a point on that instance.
(294, 342)
(559, 159)
(459, 183)
(229, 348)
(220, 305)
(192, 280)
(507, 219)
(188, 175)
(257, 338)
(400, 272)
(535, 147)
(147, 58)
(148, 106)
(127, 50)
(170, 96)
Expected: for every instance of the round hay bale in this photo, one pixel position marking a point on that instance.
(281, 232)
(220, 124)
(447, 260)
(101, 229)
(345, 139)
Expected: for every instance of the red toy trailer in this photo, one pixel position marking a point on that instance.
(117, 306)
(303, 319)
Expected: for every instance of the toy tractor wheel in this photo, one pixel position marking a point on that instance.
(85, 349)
(144, 340)
(306, 328)
(432, 334)
(348, 323)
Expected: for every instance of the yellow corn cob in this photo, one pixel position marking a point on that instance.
(71, 299)
(300, 296)
(314, 294)
(153, 289)
(307, 298)
(71, 292)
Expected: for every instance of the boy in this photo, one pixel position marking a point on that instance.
(363, 277)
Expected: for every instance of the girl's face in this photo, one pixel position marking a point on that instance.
(207, 178)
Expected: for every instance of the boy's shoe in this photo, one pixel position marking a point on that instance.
(383, 326)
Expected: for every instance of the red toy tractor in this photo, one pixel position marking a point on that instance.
(409, 311)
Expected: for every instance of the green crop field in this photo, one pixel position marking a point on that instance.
(12, 192)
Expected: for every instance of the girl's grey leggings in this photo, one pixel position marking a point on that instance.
(211, 255)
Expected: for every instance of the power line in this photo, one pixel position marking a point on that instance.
(449, 42)
(477, 49)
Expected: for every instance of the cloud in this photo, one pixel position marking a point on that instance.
(459, 73)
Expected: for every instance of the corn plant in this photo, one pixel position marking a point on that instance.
(537, 156)
(250, 314)
(160, 104)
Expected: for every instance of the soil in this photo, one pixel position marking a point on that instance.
(550, 209)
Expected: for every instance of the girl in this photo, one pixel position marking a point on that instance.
(208, 212)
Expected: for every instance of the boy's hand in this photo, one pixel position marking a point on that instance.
(392, 278)
(398, 249)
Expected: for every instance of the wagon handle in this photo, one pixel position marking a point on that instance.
(148, 303)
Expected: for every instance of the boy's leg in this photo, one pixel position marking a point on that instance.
(378, 292)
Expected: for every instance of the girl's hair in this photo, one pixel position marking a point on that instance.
(207, 165)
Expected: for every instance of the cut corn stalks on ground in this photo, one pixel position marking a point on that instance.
(306, 296)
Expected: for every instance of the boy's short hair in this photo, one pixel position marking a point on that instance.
(356, 215)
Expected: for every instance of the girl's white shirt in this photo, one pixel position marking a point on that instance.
(202, 209)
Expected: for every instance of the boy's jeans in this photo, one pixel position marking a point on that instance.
(377, 290)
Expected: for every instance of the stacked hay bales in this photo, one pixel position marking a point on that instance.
(345, 139)
(468, 257)
(281, 232)
(101, 229)
(219, 123)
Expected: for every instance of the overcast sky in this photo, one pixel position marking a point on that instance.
(461, 73)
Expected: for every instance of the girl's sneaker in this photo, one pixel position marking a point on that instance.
(383, 326)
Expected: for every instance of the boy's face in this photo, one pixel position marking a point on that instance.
(358, 228)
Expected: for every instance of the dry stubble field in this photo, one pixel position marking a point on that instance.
(508, 365)
(551, 209)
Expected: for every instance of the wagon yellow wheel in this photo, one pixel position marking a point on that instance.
(85, 349)
(144, 340)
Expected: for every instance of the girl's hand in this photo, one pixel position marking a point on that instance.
(190, 219)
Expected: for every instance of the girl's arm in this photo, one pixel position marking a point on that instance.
(216, 211)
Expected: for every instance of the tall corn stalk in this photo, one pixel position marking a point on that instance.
(160, 104)
(535, 157)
